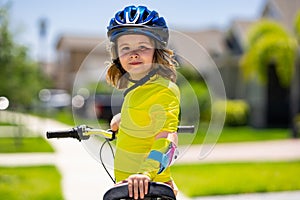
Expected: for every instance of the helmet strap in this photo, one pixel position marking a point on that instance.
(141, 81)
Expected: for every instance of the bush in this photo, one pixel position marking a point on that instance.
(237, 112)
(191, 92)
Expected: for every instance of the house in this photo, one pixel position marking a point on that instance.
(271, 105)
(79, 59)
(283, 12)
(82, 60)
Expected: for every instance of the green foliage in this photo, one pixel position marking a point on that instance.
(262, 28)
(235, 178)
(190, 73)
(237, 111)
(194, 87)
(199, 90)
(269, 43)
(20, 78)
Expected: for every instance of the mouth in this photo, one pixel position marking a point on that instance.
(135, 63)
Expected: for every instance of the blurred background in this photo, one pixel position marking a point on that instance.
(254, 44)
(50, 40)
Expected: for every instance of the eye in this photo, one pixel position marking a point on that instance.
(124, 49)
(143, 48)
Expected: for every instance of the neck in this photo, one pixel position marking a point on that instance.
(141, 81)
(136, 77)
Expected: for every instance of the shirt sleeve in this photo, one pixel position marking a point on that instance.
(165, 111)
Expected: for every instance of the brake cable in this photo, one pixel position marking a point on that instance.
(107, 141)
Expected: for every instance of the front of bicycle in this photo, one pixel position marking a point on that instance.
(159, 191)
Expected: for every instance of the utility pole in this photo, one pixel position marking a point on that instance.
(42, 49)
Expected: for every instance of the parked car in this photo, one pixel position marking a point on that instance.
(54, 98)
(107, 105)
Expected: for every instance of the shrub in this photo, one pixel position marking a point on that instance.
(236, 112)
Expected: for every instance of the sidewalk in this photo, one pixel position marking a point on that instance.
(84, 178)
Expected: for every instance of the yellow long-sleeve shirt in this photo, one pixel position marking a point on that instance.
(147, 110)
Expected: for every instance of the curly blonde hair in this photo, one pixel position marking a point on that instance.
(163, 59)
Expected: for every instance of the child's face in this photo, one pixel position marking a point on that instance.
(136, 54)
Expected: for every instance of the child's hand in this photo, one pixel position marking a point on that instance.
(138, 184)
(115, 122)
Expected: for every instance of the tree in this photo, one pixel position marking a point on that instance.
(269, 43)
(20, 77)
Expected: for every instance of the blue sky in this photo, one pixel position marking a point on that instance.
(90, 17)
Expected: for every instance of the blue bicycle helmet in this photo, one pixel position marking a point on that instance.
(138, 20)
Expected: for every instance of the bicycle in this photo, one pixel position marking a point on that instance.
(156, 191)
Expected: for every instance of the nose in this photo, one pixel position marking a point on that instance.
(134, 54)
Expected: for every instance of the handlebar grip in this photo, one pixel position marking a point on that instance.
(71, 133)
(186, 129)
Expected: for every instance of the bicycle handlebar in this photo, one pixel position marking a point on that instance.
(81, 132)
(186, 129)
(71, 133)
(84, 132)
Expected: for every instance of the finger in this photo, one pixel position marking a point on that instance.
(146, 185)
(141, 188)
(113, 126)
(115, 122)
(130, 188)
(135, 189)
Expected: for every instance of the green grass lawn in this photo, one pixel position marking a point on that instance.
(33, 183)
(236, 134)
(24, 145)
(193, 180)
(22, 141)
(235, 178)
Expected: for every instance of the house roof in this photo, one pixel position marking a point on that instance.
(78, 43)
(283, 11)
(211, 39)
(239, 29)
